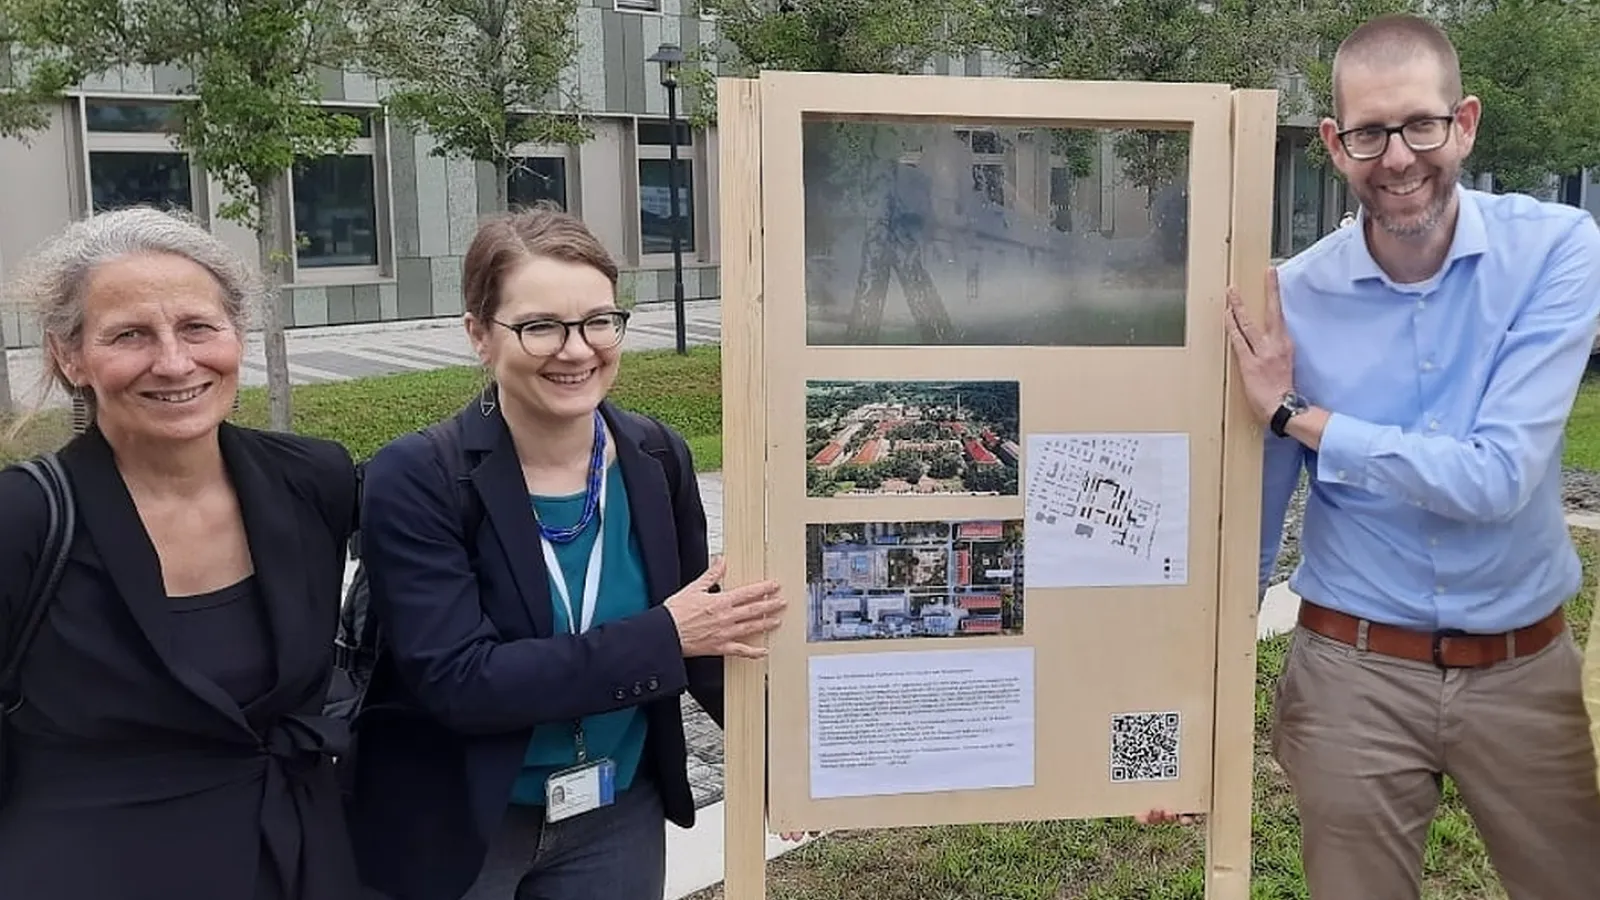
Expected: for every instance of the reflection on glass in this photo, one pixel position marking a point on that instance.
(118, 180)
(655, 205)
(537, 178)
(335, 215)
(964, 235)
(131, 116)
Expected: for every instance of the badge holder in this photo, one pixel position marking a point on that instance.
(577, 789)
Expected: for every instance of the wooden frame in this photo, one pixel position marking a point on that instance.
(1187, 647)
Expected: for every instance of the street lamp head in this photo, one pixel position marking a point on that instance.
(671, 57)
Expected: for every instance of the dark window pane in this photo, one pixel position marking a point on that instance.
(536, 178)
(335, 216)
(659, 134)
(655, 205)
(131, 116)
(161, 180)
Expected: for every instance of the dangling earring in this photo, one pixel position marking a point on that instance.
(486, 400)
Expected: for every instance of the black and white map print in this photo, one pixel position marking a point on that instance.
(1107, 510)
(1144, 746)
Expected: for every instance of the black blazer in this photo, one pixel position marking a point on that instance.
(473, 662)
(137, 778)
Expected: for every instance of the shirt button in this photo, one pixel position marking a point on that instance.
(1433, 425)
(1422, 304)
(1438, 589)
(1427, 366)
(1340, 475)
(1433, 542)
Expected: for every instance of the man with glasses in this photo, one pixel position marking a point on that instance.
(1419, 368)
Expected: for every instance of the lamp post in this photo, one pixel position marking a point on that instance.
(670, 58)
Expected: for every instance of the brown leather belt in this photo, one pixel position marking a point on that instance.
(1448, 649)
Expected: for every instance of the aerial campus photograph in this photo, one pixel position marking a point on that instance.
(885, 580)
(911, 437)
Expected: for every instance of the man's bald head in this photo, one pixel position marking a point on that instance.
(1394, 41)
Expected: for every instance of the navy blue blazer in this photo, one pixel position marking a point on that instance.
(472, 660)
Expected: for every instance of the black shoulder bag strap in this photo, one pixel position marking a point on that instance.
(46, 575)
(41, 590)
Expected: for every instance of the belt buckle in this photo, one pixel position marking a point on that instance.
(1439, 637)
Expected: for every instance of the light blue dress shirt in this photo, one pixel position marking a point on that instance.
(1435, 499)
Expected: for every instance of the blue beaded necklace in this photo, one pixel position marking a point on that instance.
(591, 499)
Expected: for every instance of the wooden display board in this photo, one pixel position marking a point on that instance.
(980, 421)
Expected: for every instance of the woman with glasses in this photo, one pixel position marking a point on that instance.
(538, 565)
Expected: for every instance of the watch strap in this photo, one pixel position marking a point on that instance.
(1280, 419)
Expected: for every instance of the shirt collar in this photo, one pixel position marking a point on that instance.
(1471, 239)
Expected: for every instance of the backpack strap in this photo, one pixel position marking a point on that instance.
(52, 478)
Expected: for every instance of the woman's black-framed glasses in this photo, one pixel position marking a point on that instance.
(546, 337)
(1420, 134)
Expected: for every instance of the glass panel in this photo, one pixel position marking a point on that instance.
(1305, 221)
(934, 234)
(131, 117)
(659, 134)
(161, 180)
(536, 178)
(335, 216)
(655, 205)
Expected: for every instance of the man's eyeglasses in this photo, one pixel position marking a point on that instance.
(546, 337)
(1420, 134)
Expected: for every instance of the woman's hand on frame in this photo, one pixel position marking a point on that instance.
(723, 623)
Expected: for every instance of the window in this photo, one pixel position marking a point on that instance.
(133, 160)
(336, 206)
(640, 5)
(655, 187)
(536, 178)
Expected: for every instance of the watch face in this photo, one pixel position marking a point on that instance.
(1294, 401)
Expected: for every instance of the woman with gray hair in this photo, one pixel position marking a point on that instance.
(165, 738)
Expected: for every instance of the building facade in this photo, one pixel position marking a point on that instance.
(378, 233)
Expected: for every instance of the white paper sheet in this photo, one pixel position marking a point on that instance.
(1106, 510)
(920, 721)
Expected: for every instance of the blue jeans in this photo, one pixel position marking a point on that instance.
(617, 852)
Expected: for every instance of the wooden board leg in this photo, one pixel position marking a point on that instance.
(1228, 831)
(744, 498)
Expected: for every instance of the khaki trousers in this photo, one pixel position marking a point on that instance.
(1365, 738)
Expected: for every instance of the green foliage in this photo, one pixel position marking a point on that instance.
(253, 62)
(1535, 64)
(1241, 43)
(893, 37)
(481, 77)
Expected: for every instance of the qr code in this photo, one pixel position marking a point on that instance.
(1144, 746)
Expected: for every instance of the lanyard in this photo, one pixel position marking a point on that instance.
(591, 579)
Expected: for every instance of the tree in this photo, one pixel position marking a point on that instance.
(1535, 64)
(1243, 43)
(249, 115)
(1532, 63)
(482, 76)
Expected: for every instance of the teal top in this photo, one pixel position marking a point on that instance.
(617, 736)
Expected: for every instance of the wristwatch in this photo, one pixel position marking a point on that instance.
(1291, 405)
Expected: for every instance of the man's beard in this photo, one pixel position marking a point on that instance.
(1441, 185)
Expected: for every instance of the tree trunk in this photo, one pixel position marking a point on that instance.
(279, 413)
(502, 174)
(7, 405)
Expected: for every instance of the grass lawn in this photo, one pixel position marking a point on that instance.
(1583, 427)
(1117, 858)
(364, 414)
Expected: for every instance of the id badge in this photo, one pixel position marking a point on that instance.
(575, 791)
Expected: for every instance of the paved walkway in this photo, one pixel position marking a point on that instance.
(336, 353)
